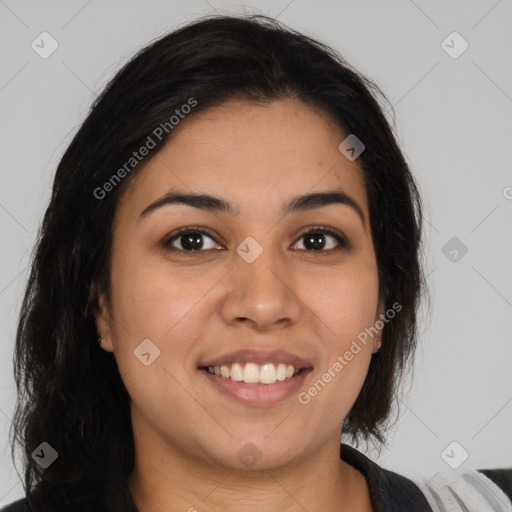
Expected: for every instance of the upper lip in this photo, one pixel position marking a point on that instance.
(258, 357)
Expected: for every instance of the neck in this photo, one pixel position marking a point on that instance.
(167, 479)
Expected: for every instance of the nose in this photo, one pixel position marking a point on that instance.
(262, 293)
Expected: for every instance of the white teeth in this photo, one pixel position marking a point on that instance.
(236, 372)
(252, 373)
(281, 371)
(268, 374)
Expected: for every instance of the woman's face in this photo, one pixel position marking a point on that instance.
(254, 283)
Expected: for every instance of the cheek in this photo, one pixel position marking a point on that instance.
(152, 304)
(149, 297)
(347, 302)
(167, 306)
(346, 309)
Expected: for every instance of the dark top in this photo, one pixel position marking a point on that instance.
(389, 491)
(502, 478)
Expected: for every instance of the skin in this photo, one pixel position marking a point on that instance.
(312, 303)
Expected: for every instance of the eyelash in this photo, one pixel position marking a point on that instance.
(342, 242)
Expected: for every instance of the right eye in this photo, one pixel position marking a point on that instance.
(190, 239)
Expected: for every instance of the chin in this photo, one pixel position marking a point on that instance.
(255, 453)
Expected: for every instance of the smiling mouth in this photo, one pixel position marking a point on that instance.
(251, 373)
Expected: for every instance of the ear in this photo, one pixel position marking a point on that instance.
(380, 309)
(103, 321)
(379, 317)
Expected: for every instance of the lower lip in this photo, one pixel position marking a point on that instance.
(258, 394)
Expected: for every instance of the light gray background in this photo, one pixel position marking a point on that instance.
(454, 122)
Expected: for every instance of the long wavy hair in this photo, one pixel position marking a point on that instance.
(70, 392)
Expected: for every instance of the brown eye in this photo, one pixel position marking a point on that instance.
(190, 239)
(316, 239)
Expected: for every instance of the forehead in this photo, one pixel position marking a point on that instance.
(254, 155)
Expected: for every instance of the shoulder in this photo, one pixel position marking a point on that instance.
(502, 478)
(389, 491)
(17, 506)
(471, 491)
(486, 490)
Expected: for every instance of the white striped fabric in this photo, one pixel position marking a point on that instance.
(471, 491)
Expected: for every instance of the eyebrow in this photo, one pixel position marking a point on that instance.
(216, 204)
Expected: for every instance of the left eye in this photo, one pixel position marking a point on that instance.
(191, 240)
(317, 236)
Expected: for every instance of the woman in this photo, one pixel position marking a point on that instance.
(226, 279)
